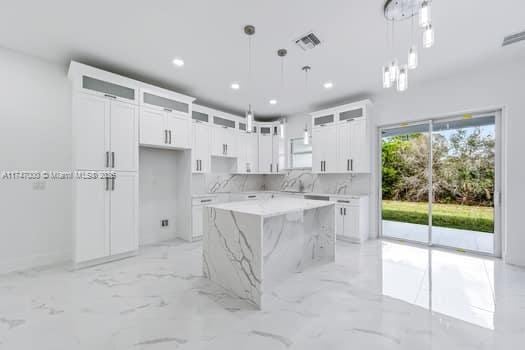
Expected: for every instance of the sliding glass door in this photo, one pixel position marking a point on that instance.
(438, 182)
(405, 181)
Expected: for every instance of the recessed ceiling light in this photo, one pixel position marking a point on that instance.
(235, 86)
(178, 62)
(273, 102)
(328, 85)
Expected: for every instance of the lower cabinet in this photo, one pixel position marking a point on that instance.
(351, 219)
(197, 215)
(105, 217)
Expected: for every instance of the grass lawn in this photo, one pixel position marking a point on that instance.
(445, 215)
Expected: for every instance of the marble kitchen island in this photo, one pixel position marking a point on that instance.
(251, 246)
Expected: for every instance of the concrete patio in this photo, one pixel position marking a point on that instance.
(450, 237)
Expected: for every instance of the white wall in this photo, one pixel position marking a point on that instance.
(157, 194)
(35, 134)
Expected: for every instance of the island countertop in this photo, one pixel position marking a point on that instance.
(271, 207)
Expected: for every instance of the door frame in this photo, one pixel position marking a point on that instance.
(499, 113)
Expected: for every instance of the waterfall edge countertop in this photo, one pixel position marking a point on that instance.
(271, 207)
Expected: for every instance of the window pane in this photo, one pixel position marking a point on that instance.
(301, 154)
(302, 160)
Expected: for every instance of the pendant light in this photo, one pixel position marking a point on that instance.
(249, 30)
(424, 14)
(387, 83)
(412, 52)
(282, 54)
(306, 137)
(402, 80)
(428, 36)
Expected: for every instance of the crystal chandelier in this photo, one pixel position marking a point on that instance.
(394, 74)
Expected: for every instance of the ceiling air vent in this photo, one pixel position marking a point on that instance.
(514, 38)
(308, 41)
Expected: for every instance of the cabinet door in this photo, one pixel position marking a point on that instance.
(90, 132)
(243, 141)
(275, 153)
(124, 211)
(91, 220)
(351, 223)
(360, 147)
(339, 221)
(252, 152)
(344, 147)
(317, 150)
(152, 128)
(201, 148)
(218, 141)
(197, 216)
(124, 136)
(265, 153)
(180, 129)
(329, 145)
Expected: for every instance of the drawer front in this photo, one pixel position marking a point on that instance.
(204, 201)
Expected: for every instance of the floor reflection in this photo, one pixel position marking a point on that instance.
(449, 283)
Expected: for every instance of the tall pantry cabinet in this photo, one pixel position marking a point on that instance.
(105, 125)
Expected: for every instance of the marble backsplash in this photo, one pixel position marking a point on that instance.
(217, 183)
(305, 181)
(290, 181)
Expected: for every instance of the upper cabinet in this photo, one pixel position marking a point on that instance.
(165, 119)
(341, 140)
(105, 134)
(224, 139)
(166, 101)
(270, 145)
(104, 84)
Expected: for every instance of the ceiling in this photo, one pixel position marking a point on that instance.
(140, 38)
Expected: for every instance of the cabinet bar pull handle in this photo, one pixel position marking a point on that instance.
(107, 159)
(107, 184)
(348, 164)
(170, 137)
(112, 159)
(168, 110)
(351, 164)
(271, 167)
(277, 167)
(113, 184)
(205, 200)
(342, 201)
(165, 136)
(110, 96)
(341, 211)
(345, 211)
(252, 196)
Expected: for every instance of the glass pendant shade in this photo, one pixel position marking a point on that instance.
(402, 80)
(249, 119)
(281, 128)
(428, 36)
(412, 58)
(387, 83)
(394, 71)
(306, 139)
(424, 14)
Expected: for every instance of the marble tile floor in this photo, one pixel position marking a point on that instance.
(379, 295)
(450, 237)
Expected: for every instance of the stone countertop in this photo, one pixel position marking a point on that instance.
(271, 207)
(199, 195)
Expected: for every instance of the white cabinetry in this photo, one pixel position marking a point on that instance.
(105, 134)
(247, 152)
(341, 139)
(352, 219)
(269, 142)
(105, 217)
(324, 149)
(201, 147)
(197, 214)
(165, 129)
(223, 141)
